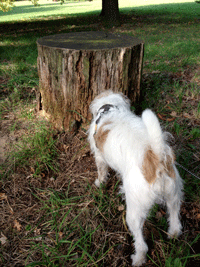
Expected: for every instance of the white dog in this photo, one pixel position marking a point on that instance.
(135, 148)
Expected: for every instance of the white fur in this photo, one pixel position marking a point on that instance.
(128, 139)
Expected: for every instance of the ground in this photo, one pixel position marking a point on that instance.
(25, 215)
(51, 213)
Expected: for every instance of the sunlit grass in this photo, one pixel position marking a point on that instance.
(25, 10)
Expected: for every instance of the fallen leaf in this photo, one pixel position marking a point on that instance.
(39, 238)
(17, 225)
(170, 119)
(121, 208)
(161, 117)
(159, 215)
(65, 147)
(198, 216)
(37, 231)
(168, 107)
(32, 170)
(186, 115)
(3, 239)
(3, 196)
(173, 114)
(60, 234)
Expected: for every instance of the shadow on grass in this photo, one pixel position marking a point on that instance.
(49, 25)
(155, 14)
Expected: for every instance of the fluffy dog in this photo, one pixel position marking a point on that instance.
(136, 148)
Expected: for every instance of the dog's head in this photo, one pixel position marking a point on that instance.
(108, 97)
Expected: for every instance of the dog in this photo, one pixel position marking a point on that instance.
(137, 149)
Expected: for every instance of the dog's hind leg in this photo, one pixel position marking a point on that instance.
(138, 205)
(173, 198)
(135, 223)
(102, 169)
(173, 207)
(139, 201)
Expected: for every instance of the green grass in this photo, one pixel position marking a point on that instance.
(38, 151)
(172, 253)
(73, 237)
(173, 47)
(48, 176)
(27, 11)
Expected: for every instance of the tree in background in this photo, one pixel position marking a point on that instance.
(6, 5)
(110, 9)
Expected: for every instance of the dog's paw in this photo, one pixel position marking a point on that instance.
(97, 183)
(138, 260)
(173, 233)
(175, 230)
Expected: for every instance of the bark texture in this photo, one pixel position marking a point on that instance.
(73, 68)
(110, 10)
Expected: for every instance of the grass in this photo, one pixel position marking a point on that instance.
(52, 213)
(27, 11)
(73, 239)
(38, 151)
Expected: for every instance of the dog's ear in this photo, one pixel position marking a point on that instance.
(104, 94)
(93, 111)
(94, 105)
(126, 99)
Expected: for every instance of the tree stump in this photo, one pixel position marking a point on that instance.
(75, 67)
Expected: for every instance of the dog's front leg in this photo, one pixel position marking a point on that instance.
(102, 169)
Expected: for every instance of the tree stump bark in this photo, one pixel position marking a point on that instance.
(75, 67)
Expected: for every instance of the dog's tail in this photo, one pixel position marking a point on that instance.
(154, 131)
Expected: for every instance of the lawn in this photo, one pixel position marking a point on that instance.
(27, 11)
(51, 212)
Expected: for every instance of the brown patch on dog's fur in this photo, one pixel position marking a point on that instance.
(150, 166)
(152, 163)
(100, 136)
(168, 165)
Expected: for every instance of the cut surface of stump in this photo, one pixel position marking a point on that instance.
(75, 67)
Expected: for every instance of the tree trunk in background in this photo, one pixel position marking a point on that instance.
(75, 67)
(110, 11)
